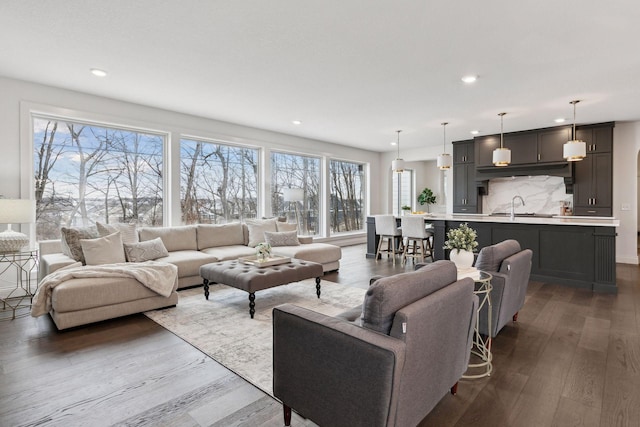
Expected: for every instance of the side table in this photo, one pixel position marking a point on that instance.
(16, 301)
(481, 346)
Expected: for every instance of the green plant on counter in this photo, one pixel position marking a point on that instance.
(462, 238)
(427, 197)
(406, 208)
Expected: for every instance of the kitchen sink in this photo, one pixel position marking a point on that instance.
(526, 214)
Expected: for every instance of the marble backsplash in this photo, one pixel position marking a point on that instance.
(541, 194)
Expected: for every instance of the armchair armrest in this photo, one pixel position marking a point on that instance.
(334, 372)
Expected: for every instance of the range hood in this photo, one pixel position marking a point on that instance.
(561, 169)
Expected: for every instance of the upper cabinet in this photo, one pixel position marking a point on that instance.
(541, 146)
(599, 138)
(463, 152)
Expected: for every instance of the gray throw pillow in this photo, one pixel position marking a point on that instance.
(282, 238)
(145, 251)
(70, 240)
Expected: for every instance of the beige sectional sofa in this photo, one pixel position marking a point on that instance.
(80, 301)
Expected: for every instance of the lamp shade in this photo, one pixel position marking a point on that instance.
(574, 151)
(293, 194)
(17, 211)
(444, 161)
(501, 157)
(398, 165)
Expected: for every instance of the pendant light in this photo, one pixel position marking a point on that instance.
(501, 156)
(398, 164)
(444, 159)
(574, 150)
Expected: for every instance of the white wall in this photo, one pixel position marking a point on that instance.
(15, 180)
(626, 144)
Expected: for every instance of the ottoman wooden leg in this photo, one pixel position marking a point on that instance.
(205, 282)
(318, 286)
(252, 303)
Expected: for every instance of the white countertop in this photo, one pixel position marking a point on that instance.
(556, 220)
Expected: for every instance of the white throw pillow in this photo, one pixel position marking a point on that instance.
(257, 227)
(128, 232)
(287, 226)
(282, 238)
(145, 251)
(103, 250)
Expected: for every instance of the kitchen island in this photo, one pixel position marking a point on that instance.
(573, 251)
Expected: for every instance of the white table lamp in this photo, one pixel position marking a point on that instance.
(15, 211)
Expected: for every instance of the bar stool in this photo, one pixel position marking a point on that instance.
(387, 229)
(418, 243)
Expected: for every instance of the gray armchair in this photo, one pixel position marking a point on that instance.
(511, 268)
(386, 364)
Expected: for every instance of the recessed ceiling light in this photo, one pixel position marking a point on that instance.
(98, 72)
(475, 132)
(296, 122)
(393, 143)
(469, 79)
(560, 120)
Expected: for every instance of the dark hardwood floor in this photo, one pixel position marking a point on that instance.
(572, 359)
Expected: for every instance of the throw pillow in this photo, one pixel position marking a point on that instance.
(103, 250)
(257, 227)
(282, 238)
(287, 226)
(70, 239)
(128, 232)
(145, 251)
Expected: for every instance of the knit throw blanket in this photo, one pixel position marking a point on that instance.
(160, 277)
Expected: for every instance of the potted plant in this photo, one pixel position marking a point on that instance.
(461, 242)
(263, 251)
(405, 209)
(426, 197)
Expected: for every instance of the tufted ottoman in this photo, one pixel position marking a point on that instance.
(251, 278)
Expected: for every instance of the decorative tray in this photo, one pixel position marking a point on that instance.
(272, 260)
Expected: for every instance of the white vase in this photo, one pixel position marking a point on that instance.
(461, 258)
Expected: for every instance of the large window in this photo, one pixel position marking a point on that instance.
(218, 183)
(85, 173)
(347, 196)
(403, 191)
(295, 190)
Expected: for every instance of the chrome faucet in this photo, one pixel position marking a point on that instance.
(513, 209)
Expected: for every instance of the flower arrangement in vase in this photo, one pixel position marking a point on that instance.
(461, 242)
(263, 251)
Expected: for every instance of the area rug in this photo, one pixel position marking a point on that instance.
(221, 327)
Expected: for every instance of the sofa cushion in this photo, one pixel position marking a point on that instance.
(103, 250)
(188, 262)
(281, 238)
(389, 294)
(322, 253)
(145, 251)
(180, 238)
(128, 232)
(82, 294)
(257, 227)
(70, 239)
(212, 235)
(490, 257)
(224, 253)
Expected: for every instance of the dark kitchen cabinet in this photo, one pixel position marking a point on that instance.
(465, 191)
(484, 146)
(593, 186)
(523, 146)
(551, 143)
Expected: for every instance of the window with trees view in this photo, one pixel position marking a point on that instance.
(347, 196)
(85, 173)
(218, 183)
(302, 205)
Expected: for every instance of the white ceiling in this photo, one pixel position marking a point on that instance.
(353, 71)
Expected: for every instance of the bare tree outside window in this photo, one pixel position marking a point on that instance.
(297, 172)
(86, 173)
(347, 196)
(218, 183)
